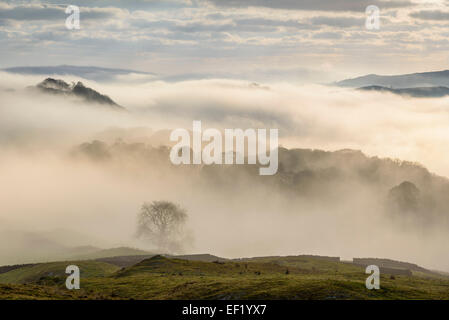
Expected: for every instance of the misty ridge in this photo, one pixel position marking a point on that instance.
(408, 193)
(88, 95)
(418, 92)
(420, 79)
(67, 164)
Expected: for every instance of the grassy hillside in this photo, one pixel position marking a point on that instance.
(55, 271)
(257, 278)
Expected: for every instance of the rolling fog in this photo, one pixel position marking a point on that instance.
(45, 188)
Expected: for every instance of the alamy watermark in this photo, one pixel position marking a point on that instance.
(373, 281)
(372, 18)
(73, 20)
(73, 280)
(260, 148)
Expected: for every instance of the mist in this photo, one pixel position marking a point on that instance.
(47, 184)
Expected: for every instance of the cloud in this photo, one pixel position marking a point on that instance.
(325, 5)
(327, 35)
(33, 12)
(436, 15)
(185, 37)
(263, 23)
(230, 24)
(85, 72)
(340, 22)
(103, 198)
(267, 22)
(125, 4)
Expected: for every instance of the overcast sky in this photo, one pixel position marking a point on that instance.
(287, 40)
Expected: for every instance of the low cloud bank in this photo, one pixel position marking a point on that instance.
(46, 187)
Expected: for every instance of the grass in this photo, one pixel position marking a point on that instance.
(262, 278)
(56, 270)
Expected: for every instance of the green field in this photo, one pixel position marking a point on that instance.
(262, 278)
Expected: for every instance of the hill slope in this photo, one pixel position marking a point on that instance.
(60, 87)
(38, 272)
(420, 92)
(294, 277)
(424, 79)
(113, 252)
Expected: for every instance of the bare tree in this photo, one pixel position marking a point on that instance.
(162, 222)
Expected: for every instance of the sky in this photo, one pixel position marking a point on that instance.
(283, 40)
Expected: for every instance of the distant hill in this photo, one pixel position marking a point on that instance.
(113, 252)
(420, 92)
(19, 247)
(302, 256)
(125, 261)
(388, 266)
(413, 80)
(200, 257)
(388, 263)
(129, 260)
(23, 247)
(60, 87)
(86, 72)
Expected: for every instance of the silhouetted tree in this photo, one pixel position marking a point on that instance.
(162, 222)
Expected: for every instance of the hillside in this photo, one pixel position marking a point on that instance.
(130, 260)
(113, 252)
(55, 271)
(78, 90)
(419, 92)
(423, 79)
(24, 247)
(293, 277)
